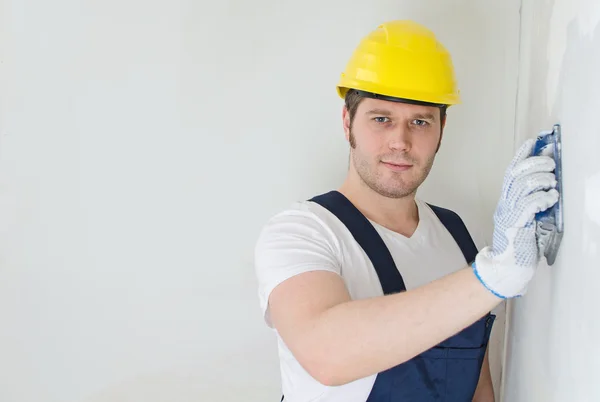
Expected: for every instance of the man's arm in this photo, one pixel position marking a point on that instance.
(339, 340)
(485, 387)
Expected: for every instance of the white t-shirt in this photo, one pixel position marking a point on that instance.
(307, 237)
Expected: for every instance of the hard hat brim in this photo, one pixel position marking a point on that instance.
(380, 92)
(399, 100)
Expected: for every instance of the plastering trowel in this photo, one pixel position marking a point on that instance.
(550, 222)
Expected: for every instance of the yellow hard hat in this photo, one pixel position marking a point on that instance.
(402, 61)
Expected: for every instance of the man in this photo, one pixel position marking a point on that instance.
(375, 295)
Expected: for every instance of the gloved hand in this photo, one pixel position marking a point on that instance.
(507, 266)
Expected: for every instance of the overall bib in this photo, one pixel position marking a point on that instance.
(449, 371)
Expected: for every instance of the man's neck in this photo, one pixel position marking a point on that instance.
(400, 215)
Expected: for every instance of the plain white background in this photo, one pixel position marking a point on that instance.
(144, 143)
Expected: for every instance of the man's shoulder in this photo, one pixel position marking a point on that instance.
(303, 218)
(295, 211)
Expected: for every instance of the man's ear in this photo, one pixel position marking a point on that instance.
(346, 122)
(443, 125)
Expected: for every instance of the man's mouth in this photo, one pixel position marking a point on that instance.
(397, 166)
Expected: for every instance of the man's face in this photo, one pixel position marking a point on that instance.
(393, 144)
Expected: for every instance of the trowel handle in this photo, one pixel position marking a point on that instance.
(544, 140)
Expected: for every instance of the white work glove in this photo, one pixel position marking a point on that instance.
(507, 266)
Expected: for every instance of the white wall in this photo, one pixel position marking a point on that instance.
(144, 143)
(553, 353)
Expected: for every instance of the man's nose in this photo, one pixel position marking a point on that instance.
(400, 139)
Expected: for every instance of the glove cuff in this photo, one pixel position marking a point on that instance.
(502, 278)
(478, 275)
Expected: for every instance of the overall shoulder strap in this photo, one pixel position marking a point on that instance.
(458, 230)
(367, 237)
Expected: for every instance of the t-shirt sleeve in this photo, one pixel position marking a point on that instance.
(291, 243)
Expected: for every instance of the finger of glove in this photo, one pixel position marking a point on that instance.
(531, 183)
(527, 167)
(536, 202)
(533, 164)
(522, 153)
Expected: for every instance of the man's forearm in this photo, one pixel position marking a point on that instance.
(358, 338)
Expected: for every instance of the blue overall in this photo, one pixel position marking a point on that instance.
(447, 372)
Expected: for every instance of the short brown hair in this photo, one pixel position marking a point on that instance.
(352, 100)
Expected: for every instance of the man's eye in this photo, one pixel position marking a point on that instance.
(419, 122)
(382, 119)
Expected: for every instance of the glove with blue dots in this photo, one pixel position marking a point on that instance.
(506, 267)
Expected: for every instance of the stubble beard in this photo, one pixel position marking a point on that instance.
(396, 187)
